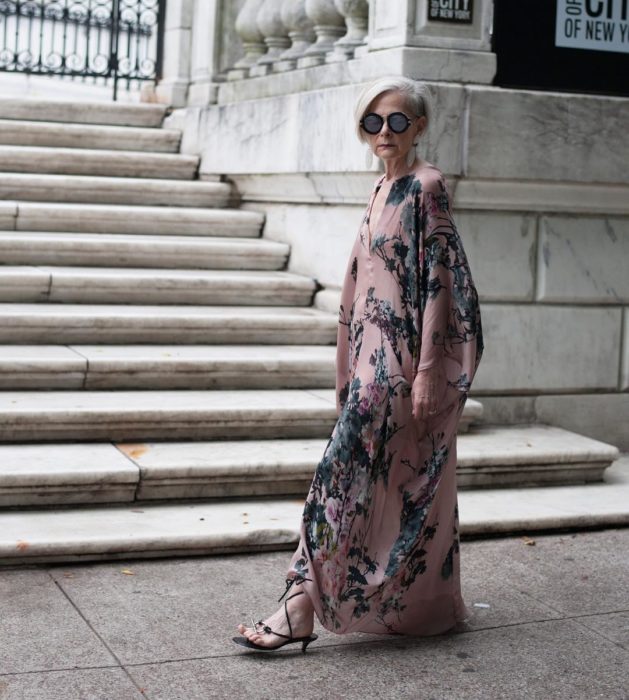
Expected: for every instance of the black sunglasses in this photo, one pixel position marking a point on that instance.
(398, 122)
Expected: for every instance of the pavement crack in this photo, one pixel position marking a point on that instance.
(98, 636)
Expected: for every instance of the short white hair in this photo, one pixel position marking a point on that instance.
(417, 95)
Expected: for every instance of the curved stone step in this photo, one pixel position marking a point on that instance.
(113, 190)
(110, 324)
(113, 138)
(151, 415)
(167, 366)
(139, 220)
(74, 161)
(68, 111)
(128, 250)
(96, 285)
(252, 525)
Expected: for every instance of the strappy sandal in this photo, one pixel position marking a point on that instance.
(305, 641)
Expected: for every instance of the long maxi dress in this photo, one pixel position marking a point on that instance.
(379, 544)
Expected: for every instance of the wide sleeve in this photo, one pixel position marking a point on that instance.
(451, 332)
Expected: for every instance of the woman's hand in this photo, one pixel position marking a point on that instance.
(426, 394)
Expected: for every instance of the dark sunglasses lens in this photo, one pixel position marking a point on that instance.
(398, 122)
(372, 123)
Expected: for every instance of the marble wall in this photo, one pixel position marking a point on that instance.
(541, 195)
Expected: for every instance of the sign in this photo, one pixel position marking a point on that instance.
(595, 25)
(458, 11)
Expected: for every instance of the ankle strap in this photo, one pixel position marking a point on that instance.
(295, 580)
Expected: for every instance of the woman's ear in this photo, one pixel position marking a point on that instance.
(421, 125)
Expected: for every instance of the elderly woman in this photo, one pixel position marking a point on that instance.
(379, 546)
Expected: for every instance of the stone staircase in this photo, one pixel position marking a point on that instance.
(166, 386)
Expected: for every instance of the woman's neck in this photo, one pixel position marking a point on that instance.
(398, 167)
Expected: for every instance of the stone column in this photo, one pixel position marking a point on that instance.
(300, 30)
(173, 85)
(356, 13)
(329, 25)
(205, 52)
(251, 37)
(275, 35)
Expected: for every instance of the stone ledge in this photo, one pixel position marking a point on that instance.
(148, 286)
(143, 251)
(105, 112)
(118, 138)
(126, 324)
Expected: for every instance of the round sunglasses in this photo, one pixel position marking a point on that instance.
(398, 122)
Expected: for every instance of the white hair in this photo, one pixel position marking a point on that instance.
(417, 95)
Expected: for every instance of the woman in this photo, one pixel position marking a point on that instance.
(379, 547)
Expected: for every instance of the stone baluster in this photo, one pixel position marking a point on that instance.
(300, 30)
(275, 35)
(329, 25)
(356, 14)
(252, 39)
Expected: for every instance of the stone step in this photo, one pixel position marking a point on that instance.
(62, 324)
(251, 525)
(35, 416)
(74, 161)
(107, 473)
(167, 366)
(70, 111)
(128, 250)
(113, 190)
(96, 285)
(139, 220)
(112, 138)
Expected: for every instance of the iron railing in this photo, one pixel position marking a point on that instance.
(118, 40)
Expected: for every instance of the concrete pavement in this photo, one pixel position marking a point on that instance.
(551, 621)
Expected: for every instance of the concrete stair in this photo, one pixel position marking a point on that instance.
(155, 348)
(123, 250)
(166, 366)
(148, 286)
(107, 218)
(143, 529)
(98, 163)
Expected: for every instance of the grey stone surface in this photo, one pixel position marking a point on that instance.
(600, 416)
(526, 661)
(579, 138)
(73, 684)
(73, 161)
(113, 190)
(154, 251)
(493, 242)
(583, 259)
(146, 415)
(624, 379)
(527, 347)
(112, 138)
(127, 324)
(107, 218)
(549, 621)
(612, 626)
(49, 366)
(105, 112)
(149, 286)
(40, 629)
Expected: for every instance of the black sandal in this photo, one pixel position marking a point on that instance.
(305, 641)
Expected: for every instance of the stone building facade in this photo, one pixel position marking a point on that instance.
(264, 90)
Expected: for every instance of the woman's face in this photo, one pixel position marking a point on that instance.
(387, 144)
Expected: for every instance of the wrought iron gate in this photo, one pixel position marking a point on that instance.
(111, 39)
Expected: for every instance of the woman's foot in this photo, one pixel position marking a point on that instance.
(301, 612)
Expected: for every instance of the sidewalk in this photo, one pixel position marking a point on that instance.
(551, 622)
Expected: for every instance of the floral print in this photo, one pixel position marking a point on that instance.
(379, 546)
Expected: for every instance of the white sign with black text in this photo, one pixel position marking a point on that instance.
(596, 25)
